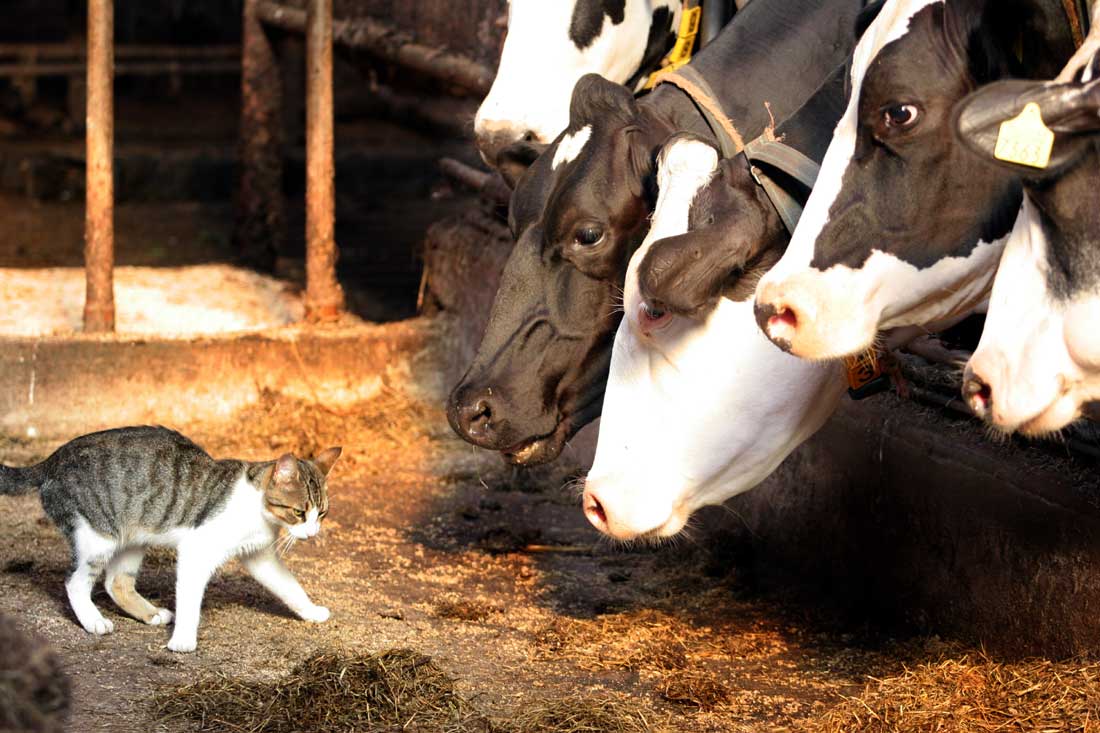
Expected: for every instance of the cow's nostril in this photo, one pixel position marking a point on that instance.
(978, 395)
(530, 137)
(783, 318)
(594, 510)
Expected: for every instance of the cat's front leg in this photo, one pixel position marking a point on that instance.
(194, 566)
(267, 568)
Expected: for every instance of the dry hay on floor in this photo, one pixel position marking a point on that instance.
(278, 423)
(695, 688)
(463, 610)
(329, 693)
(584, 714)
(395, 690)
(973, 693)
(633, 640)
(34, 690)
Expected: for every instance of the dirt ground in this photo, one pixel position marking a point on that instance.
(493, 573)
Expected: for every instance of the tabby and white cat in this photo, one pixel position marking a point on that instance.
(117, 492)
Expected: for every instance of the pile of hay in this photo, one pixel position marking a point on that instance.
(976, 694)
(330, 693)
(395, 690)
(34, 691)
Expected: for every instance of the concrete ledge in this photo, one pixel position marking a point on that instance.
(58, 387)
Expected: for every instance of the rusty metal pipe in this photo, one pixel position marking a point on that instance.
(99, 202)
(260, 225)
(324, 298)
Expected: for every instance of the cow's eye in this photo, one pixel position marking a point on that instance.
(900, 116)
(588, 235)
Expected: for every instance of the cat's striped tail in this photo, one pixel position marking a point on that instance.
(20, 480)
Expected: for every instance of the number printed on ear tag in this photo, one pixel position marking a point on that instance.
(1025, 139)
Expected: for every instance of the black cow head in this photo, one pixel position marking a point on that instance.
(579, 211)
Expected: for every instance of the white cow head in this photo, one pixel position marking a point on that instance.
(695, 411)
(1038, 362)
(553, 43)
(904, 227)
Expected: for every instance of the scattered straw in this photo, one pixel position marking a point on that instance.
(973, 693)
(329, 693)
(586, 714)
(462, 610)
(695, 688)
(640, 640)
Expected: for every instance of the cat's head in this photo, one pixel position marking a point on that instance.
(295, 492)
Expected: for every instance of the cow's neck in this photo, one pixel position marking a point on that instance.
(775, 51)
(810, 129)
(1036, 50)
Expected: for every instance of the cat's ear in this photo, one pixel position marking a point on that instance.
(286, 469)
(326, 458)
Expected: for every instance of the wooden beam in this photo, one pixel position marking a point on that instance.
(99, 227)
(324, 297)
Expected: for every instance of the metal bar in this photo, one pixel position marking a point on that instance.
(99, 227)
(390, 45)
(151, 68)
(324, 298)
(260, 216)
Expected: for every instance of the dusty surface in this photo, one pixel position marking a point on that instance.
(494, 574)
(166, 301)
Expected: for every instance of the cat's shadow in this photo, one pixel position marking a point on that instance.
(230, 587)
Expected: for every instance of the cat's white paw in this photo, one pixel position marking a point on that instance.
(99, 626)
(316, 614)
(179, 644)
(162, 617)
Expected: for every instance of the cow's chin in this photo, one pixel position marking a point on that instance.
(546, 448)
(1051, 419)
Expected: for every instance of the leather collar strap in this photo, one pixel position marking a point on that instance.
(692, 83)
(786, 159)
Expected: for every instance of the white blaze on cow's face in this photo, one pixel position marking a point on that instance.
(695, 411)
(1039, 356)
(903, 228)
(550, 45)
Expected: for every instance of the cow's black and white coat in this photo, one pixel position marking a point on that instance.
(552, 44)
(1038, 362)
(904, 227)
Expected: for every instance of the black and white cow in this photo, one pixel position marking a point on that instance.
(581, 210)
(904, 227)
(1038, 362)
(550, 45)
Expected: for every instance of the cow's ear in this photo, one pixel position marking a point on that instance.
(514, 160)
(596, 99)
(1070, 111)
(867, 16)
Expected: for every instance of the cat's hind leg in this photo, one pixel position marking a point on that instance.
(266, 567)
(122, 573)
(91, 552)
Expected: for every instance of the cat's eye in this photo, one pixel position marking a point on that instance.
(299, 513)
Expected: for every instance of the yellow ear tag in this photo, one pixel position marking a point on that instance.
(684, 46)
(1025, 139)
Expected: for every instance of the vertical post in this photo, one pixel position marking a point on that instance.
(324, 297)
(99, 201)
(260, 226)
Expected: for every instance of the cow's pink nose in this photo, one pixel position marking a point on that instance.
(778, 320)
(593, 509)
